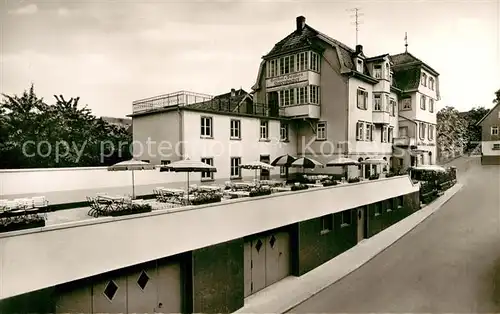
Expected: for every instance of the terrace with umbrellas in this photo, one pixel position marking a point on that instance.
(17, 214)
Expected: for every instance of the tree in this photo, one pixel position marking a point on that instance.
(451, 132)
(471, 118)
(35, 134)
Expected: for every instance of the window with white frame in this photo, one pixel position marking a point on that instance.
(286, 64)
(284, 131)
(422, 102)
(431, 132)
(423, 79)
(368, 132)
(377, 71)
(264, 130)
(377, 102)
(314, 61)
(286, 97)
(360, 130)
(272, 68)
(384, 134)
(390, 135)
(362, 99)
(321, 131)
(421, 130)
(406, 104)
(392, 107)
(431, 105)
(207, 175)
(431, 83)
(303, 95)
(235, 167)
(494, 130)
(302, 61)
(496, 146)
(314, 92)
(235, 129)
(206, 127)
(359, 66)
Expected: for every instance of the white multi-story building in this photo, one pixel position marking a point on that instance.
(419, 84)
(224, 131)
(313, 97)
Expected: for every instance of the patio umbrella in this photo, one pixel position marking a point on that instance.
(256, 165)
(284, 161)
(342, 162)
(131, 165)
(188, 166)
(306, 162)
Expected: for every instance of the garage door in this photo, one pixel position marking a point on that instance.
(267, 260)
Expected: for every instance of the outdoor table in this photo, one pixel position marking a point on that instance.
(113, 202)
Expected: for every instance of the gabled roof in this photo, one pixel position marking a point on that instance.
(487, 114)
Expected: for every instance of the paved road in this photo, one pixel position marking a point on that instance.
(449, 263)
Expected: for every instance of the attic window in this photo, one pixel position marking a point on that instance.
(359, 66)
(377, 71)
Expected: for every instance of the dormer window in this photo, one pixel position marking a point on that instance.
(423, 79)
(377, 71)
(359, 66)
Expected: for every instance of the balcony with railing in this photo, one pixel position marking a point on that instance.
(180, 98)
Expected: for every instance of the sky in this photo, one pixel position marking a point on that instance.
(110, 53)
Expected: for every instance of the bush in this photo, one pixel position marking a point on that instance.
(26, 223)
(390, 174)
(260, 192)
(299, 187)
(374, 177)
(354, 180)
(329, 183)
(206, 199)
(131, 210)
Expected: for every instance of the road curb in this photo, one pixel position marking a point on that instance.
(292, 291)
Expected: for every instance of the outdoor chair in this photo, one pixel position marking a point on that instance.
(40, 202)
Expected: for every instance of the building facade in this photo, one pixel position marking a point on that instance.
(490, 137)
(419, 85)
(225, 131)
(343, 103)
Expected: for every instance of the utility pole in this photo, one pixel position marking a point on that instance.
(356, 22)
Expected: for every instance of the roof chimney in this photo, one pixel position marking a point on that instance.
(233, 92)
(301, 22)
(359, 49)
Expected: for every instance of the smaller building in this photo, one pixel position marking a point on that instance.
(490, 138)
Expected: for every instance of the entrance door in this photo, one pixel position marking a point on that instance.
(247, 268)
(142, 290)
(258, 265)
(277, 257)
(110, 295)
(169, 288)
(361, 224)
(264, 174)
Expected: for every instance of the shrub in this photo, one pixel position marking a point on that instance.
(25, 223)
(131, 210)
(299, 187)
(329, 183)
(260, 192)
(390, 174)
(374, 177)
(354, 180)
(206, 199)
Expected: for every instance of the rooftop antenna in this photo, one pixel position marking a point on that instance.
(406, 42)
(356, 22)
